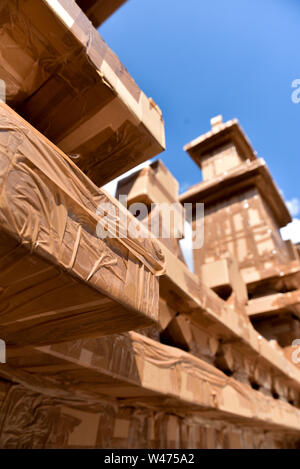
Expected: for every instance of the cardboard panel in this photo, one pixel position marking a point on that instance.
(58, 278)
(142, 371)
(105, 424)
(224, 277)
(242, 226)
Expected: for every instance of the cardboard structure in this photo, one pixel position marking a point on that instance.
(111, 341)
(58, 278)
(244, 212)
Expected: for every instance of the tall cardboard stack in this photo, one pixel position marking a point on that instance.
(72, 301)
(244, 212)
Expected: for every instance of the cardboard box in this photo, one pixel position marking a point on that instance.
(62, 77)
(151, 185)
(59, 279)
(223, 276)
(156, 188)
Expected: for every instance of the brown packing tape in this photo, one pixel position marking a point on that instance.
(49, 206)
(58, 168)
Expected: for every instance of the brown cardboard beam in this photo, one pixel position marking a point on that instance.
(145, 371)
(99, 10)
(58, 279)
(277, 303)
(187, 294)
(280, 277)
(63, 78)
(257, 374)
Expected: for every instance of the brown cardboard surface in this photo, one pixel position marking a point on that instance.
(188, 335)
(220, 135)
(276, 278)
(242, 226)
(166, 314)
(292, 354)
(186, 293)
(156, 188)
(151, 185)
(244, 211)
(62, 77)
(238, 180)
(140, 370)
(58, 279)
(223, 276)
(69, 424)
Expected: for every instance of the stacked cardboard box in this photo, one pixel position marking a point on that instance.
(156, 188)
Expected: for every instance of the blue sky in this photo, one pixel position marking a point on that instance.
(200, 58)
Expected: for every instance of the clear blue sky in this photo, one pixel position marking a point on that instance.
(200, 58)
